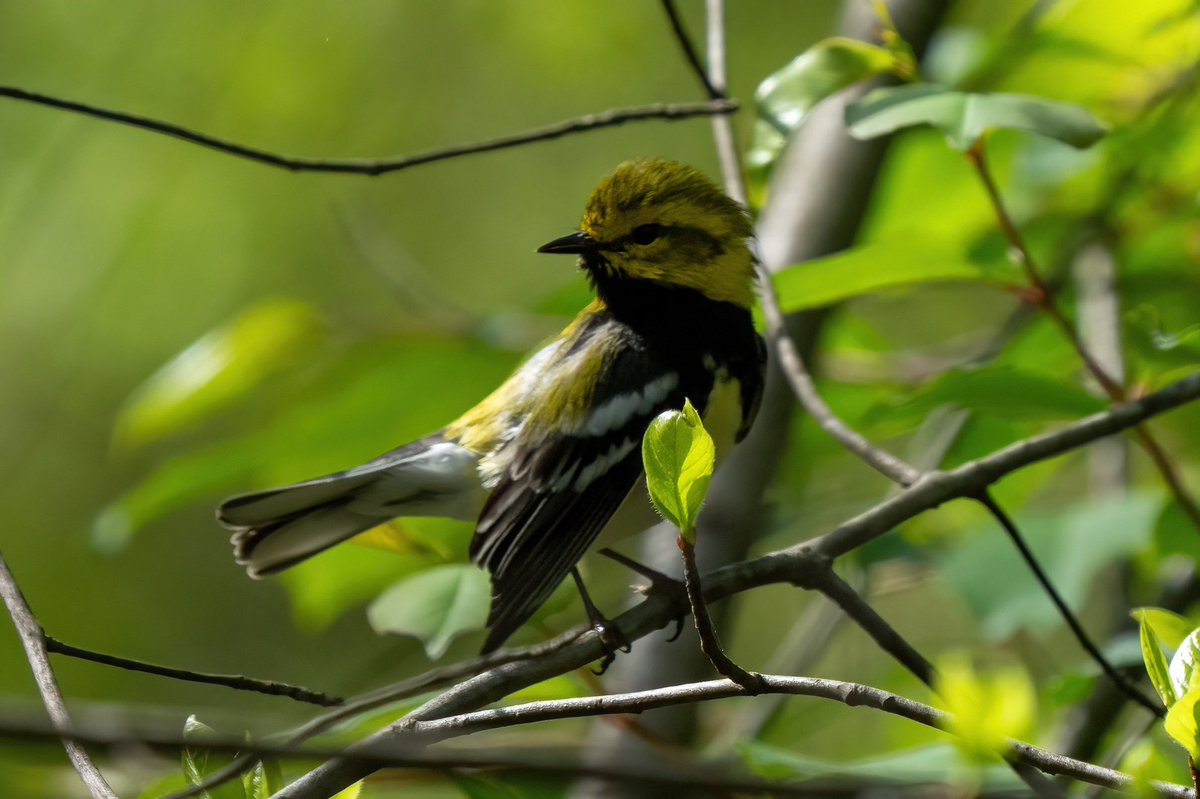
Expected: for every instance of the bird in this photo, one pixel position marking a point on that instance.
(544, 462)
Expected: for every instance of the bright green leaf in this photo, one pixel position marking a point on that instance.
(986, 710)
(1182, 725)
(678, 455)
(1184, 670)
(907, 260)
(965, 117)
(1170, 627)
(267, 340)
(262, 781)
(786, 96)
(197, 763)
(435, 606)
(1156, 663)
(353, 792)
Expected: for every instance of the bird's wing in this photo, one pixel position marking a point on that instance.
(565, 477)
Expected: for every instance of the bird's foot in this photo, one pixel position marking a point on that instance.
(674, 590)
(610, 635)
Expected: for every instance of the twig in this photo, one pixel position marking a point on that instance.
(574, 649)
(689, 51)
(372, 168)
(35, 651)
(709, 643)
(235, 681)
(1044, 299)
(985, 498)
(723, 138)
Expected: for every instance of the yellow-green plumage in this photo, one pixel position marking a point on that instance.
(546, 459)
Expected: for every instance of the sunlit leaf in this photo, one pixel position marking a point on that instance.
(262, 781)
(987, 709)
(965, 117)
(1170, 628)
(198, 763)
(1183, 726)
(904, 260)
(1157, 667)
(265, 341)
(1184, 670)
(435, 606)
(785, 97)
(353, 792)
(678, 455)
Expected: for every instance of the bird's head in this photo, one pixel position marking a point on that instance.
(664, 222)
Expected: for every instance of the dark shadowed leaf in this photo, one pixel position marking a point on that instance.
(965, 117)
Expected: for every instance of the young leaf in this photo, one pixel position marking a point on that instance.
(1181, 723)
(1171, 628)
(262, 781)
(964, 117)
(786, 96)
(435, 606)
(987, 710)
(198, 764)
(1156, 662)
(678, 455)
(1184, 670)
(353, 792)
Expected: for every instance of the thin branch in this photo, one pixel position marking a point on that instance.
(1044, 298)
(722, 127)
(35, 651)
(689, 51)
(372, 168)
(575, 649)
(985, 498)
(235, 681)
(705, 631)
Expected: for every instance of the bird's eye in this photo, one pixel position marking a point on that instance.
(644, 234)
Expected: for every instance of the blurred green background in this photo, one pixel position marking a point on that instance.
(176, 325)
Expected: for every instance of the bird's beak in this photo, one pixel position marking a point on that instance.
(575, 243)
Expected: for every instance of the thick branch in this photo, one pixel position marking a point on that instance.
(35, 651)
(573, 650)
(372, 168)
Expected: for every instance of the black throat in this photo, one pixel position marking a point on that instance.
(677, 315)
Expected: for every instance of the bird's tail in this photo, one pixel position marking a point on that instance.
(277, 528)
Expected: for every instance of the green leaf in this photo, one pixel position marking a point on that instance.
(1170, 628)
(1152, 655)
(965, 117)
(353, 792)
(1184, 671)
(1182, 725)
(262, 781)
(1002, 391)
(167, 786)
(1073, 545)
(267, 340)
(986, 710)
(678, 455)
(905, 260)
(435, 606)
(197, 763)
(785, 97)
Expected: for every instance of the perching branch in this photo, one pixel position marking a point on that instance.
(35, 651)
(605, 119)
(574, 649)
(235, 681)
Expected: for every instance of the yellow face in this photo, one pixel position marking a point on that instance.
(665, 222)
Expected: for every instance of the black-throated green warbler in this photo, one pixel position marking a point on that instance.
(547, 459)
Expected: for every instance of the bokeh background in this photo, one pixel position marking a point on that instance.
(177, 325)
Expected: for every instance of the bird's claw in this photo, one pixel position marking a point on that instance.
(673, 589)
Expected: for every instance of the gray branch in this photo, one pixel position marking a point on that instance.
(35, 651)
